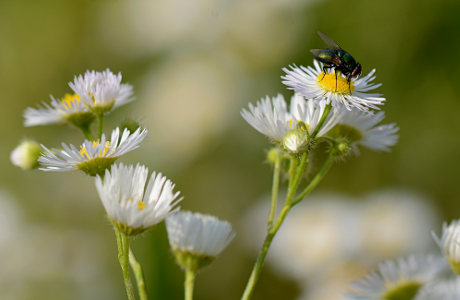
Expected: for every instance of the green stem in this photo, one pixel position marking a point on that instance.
(139, 275)
(292, 170)
(100, 121)
(123, 258)
(317, 179)
(326, 111)
(294, 180)
(189, 283)
(275, 189)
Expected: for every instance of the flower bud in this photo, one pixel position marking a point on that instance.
(342, 148)
(196, 239)
(26, 155)
(449, 244)
(273, 154)
(296, 140)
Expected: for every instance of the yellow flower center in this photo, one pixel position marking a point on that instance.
(69, 99)
(329, 83)
(102, 153)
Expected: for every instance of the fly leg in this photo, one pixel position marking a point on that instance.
(335, 81)
(349, 84)
(325, 67)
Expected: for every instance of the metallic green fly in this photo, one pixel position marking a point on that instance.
(336, 58)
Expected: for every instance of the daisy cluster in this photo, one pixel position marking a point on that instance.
(133, 200)
(324, 105)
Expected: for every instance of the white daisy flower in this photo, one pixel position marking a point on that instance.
(312, 83)
(360, 128)
(272, 118)
(400, 279)
(130, 205)
(450, 244)
(198, 234)
(93, 157)
(68, 109)
(442, 290)
(102, 91)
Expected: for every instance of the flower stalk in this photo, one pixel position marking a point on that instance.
(189, 283)
(139, 275)
(296, 171)
(123, 258)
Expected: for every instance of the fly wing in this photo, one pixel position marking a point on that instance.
(327, 56)
(328, 40)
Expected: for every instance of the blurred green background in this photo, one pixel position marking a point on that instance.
(194, 65)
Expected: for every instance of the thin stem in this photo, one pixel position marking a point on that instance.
(275, 189)
(326, 111)
(189, 283)
(294, 180)
(139, 275)
(317, 179)
(100, 121)
(123, 258)
(292, 170)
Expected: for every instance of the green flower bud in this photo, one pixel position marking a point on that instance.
(296, 141)
(273, 154)
(342, 148)
(26, 155)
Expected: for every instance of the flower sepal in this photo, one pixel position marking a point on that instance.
(81, 119)
(126, 229)
(192, 261)
(96, 166)
(345, 132)
(403, 291)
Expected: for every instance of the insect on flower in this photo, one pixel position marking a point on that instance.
(336, 58)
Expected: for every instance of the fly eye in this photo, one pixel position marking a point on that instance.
(356, 71)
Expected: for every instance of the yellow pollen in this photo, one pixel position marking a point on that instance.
(291, 122)
(141, 205)
(69, 99)
(330, 84)
(102, 153)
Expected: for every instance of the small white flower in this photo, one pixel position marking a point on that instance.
(442, 290)
(67, 109)
(93, 157)
(312, 83)
(131, 206)
(450, 244)
(361, 128)
(400, 279)
(26, 155)
(102, 91)
(272, 118)
(198, 234)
